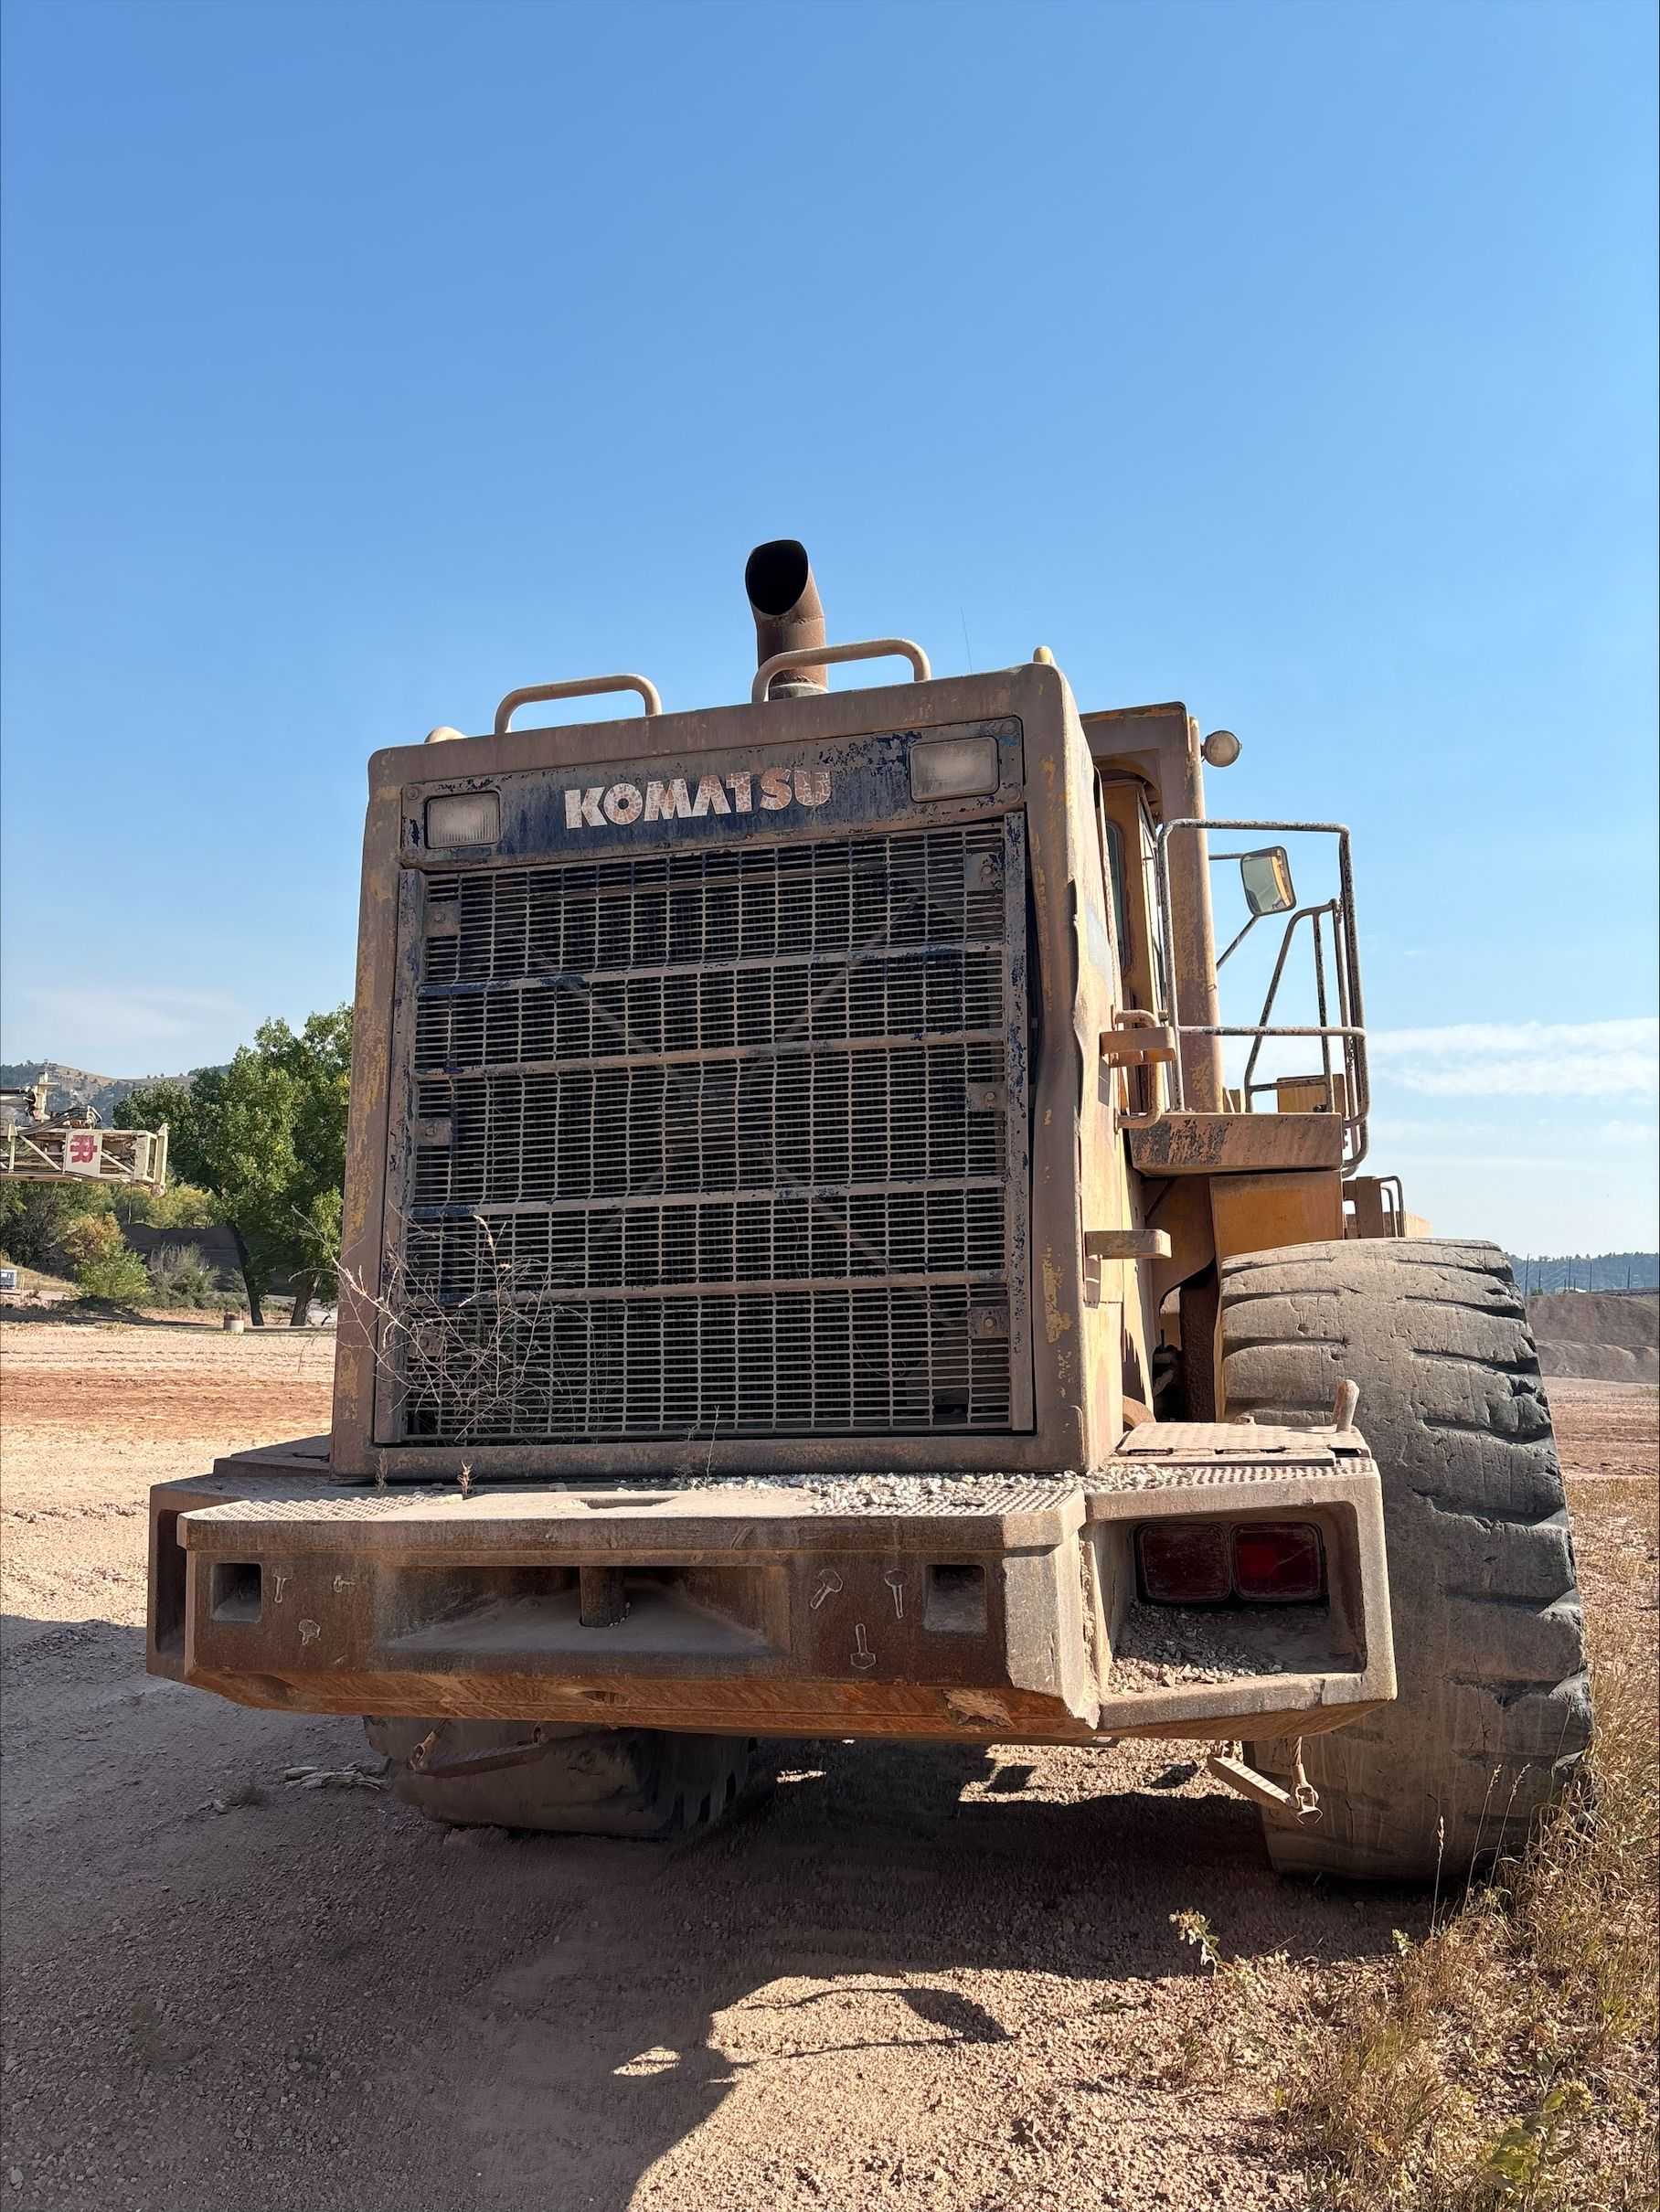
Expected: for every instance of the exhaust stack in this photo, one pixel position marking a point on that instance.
(785, 601)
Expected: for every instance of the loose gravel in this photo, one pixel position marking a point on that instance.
(892, 1493)
(1162, 1646)
(922, 1977)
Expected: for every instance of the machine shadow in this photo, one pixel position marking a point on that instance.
(605, 2048)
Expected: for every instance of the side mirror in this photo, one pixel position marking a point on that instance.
(1266, 878)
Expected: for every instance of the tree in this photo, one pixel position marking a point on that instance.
(34, 1218)
(267, 1136)
(180, 1206)
(190, 1111)
(278, 1147)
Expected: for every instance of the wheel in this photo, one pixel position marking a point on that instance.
(1494, 1704)
(641, 1782)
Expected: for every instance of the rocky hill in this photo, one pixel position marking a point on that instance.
(79, 1086)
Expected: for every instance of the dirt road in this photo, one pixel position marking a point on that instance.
(933, 1978)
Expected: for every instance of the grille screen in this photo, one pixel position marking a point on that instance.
(715, 1144)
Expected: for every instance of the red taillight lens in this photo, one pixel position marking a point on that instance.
(1278, 1561)
(1184, 1563)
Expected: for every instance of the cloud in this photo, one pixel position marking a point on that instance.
(1523, 1059)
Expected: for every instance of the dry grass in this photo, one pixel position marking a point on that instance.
(1506, 2061)
(484, 1352)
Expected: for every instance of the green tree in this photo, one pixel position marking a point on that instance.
(190, 1111)
(267, 1136)
(180, 1206)
(34, 1218)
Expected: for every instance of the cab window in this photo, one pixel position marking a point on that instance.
(1115, 880)
(1156, 915)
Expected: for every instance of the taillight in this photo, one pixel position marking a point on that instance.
(1208, 1562)
(1278, 1561)
(1184, 1562)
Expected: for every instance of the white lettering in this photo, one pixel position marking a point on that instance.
(593, 805)
(663, 802)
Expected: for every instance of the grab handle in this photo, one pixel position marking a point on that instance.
(578, 687)
(815, 656)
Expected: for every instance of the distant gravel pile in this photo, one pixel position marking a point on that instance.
(1604, 1335)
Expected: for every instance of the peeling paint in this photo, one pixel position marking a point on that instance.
(1056, 1323)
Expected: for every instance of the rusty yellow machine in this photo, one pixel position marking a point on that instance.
(805, 1272)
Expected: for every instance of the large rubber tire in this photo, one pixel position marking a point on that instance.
(641, 1782)
(1493, 1705)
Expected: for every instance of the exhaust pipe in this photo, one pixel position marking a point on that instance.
(784, 598)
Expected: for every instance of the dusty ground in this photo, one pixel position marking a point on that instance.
(931, 1978)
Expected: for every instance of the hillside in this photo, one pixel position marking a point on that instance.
(79, 1086)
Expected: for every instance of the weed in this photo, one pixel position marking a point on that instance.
(1241, 2017)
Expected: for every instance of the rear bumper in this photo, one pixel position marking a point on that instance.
(746, 1610)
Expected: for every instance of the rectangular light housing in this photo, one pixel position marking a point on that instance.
(1210, 1562)
(1184, 1562)
(464, 817)
(953, 767)
(1278, 1562)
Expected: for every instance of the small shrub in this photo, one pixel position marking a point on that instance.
(118, 1277)
(180, 1276)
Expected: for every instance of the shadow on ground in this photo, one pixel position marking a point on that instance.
(98, 1312)
(364, 2010)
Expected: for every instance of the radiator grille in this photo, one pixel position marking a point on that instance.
(715, 1144)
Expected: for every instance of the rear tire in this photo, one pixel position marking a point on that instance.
(641, 1782)
(1493, 1707)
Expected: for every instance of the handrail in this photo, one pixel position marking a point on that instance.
(1312, 914)
(1350, 1028)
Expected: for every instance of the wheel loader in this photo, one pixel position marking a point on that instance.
(807, 1271)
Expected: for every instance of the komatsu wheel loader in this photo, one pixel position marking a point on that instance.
(807, 1273)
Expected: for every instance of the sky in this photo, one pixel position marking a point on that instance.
(363, 361)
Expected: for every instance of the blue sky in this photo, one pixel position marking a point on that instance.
(363, 361)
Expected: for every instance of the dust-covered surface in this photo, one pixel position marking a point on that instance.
(918, 1976)
(891, 1493)
(91, 1413)
(1604, 1429)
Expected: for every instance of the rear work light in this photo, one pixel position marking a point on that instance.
(1208, 1562)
